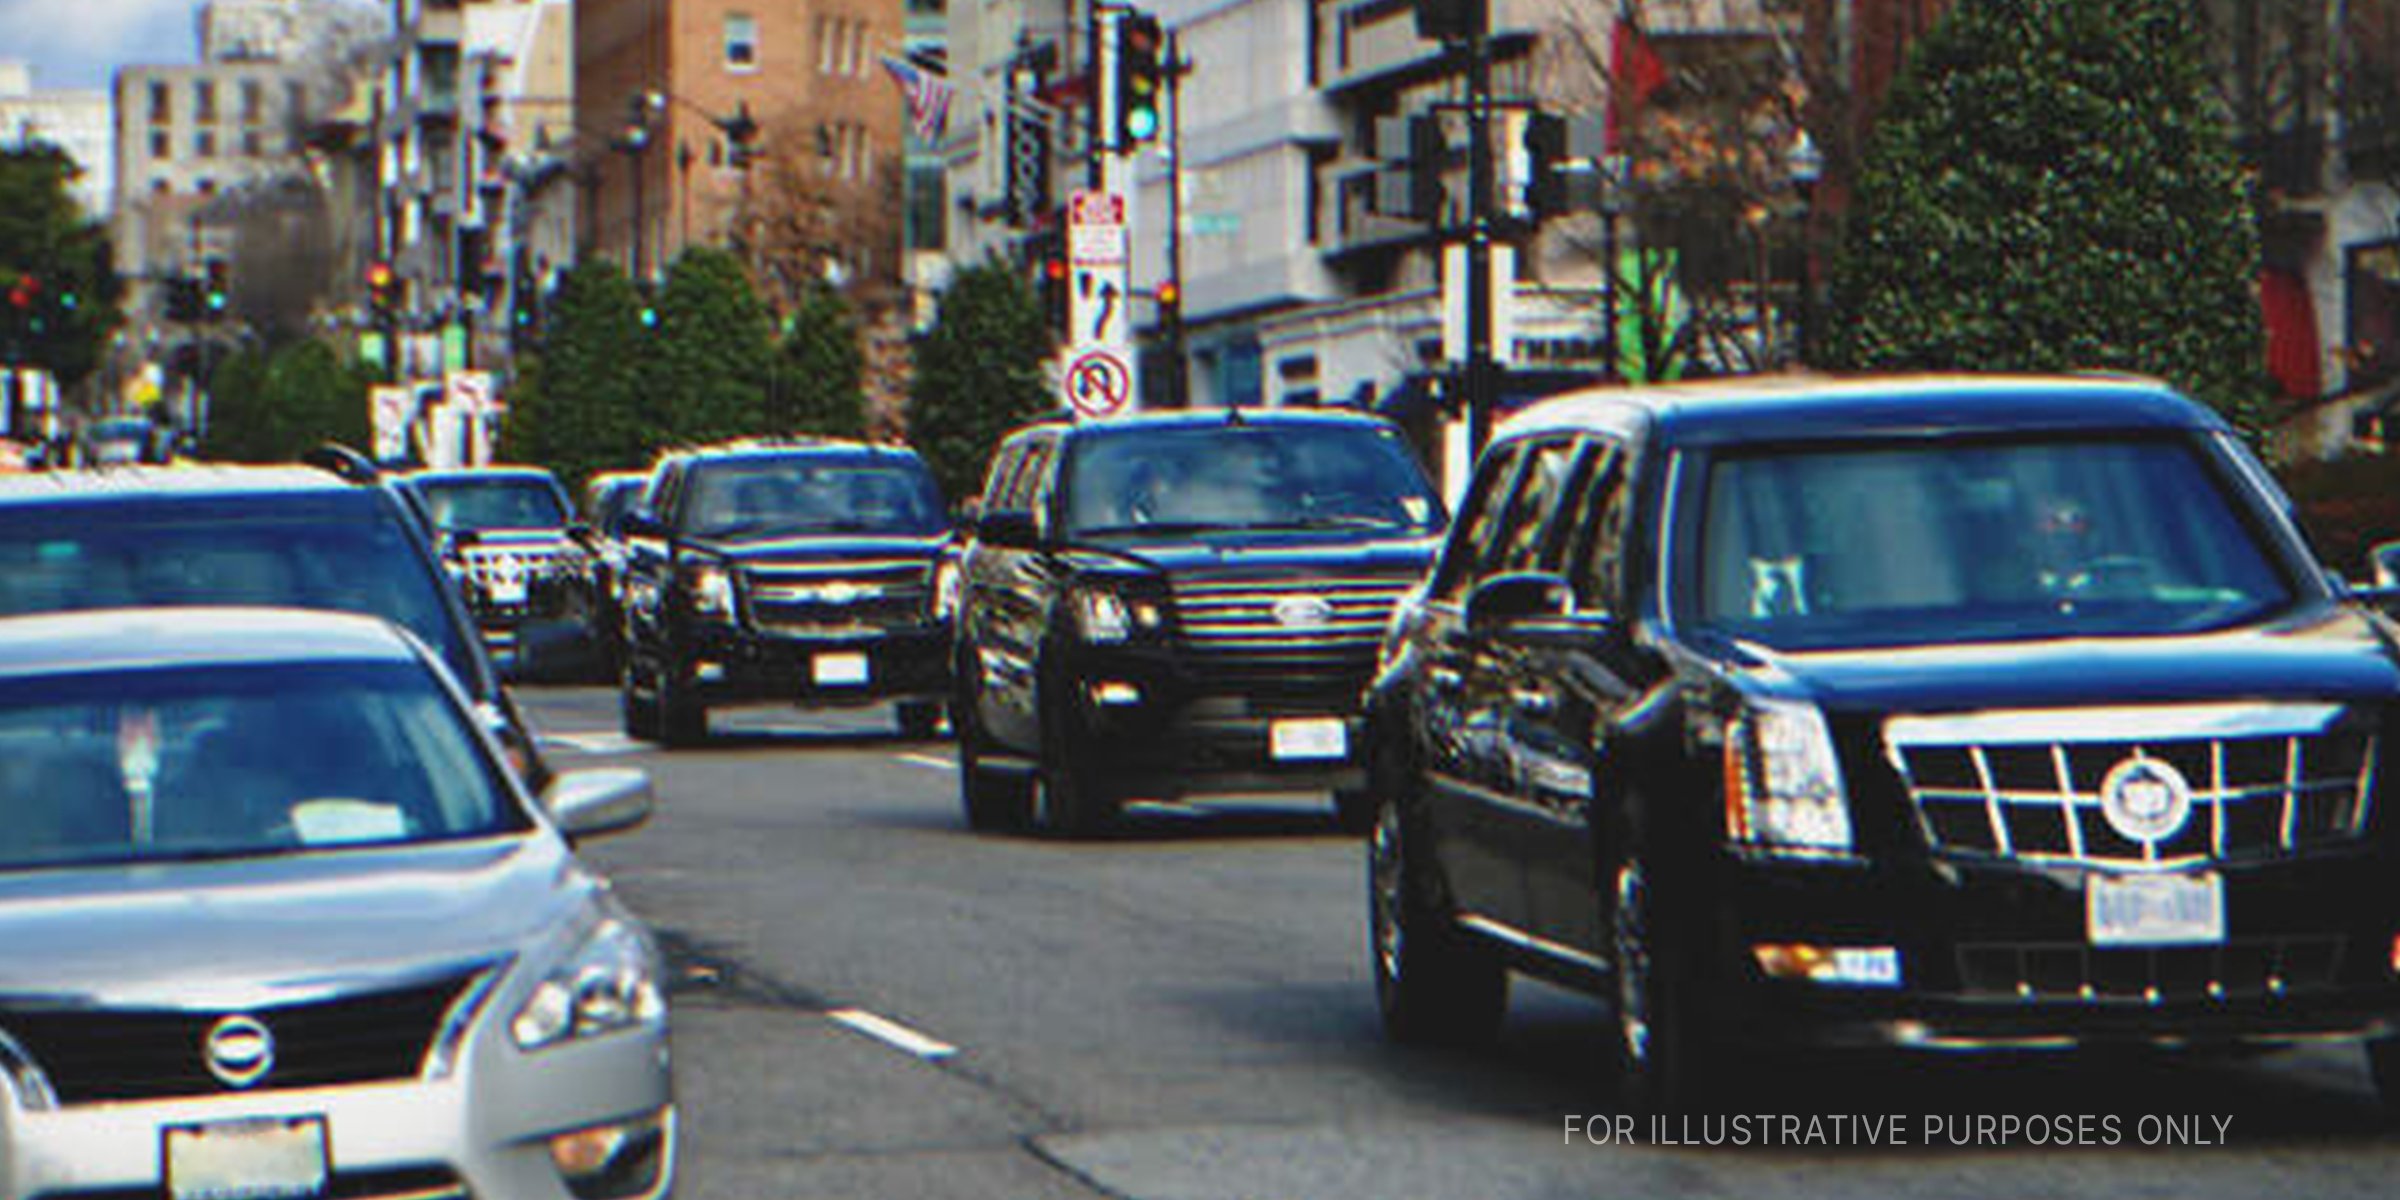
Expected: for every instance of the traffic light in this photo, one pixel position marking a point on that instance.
(219, 292)
(1053, 286)
(383, 288)
(1140, 57)
(183, 298)
(1446, 20)
(1545, 165)
(1170, 304)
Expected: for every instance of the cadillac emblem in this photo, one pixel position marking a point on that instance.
(2145, 800)
(1302, 612)
(239, 1051)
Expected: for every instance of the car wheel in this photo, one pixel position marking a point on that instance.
(1071, 803)
(682, 721)
(640, 714)
(2383, 1062)
(1433, 983)
(919, 720)
(1354, 810)
(995, 802)
(1665, 1061)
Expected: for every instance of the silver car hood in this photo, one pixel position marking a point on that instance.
(256, 932)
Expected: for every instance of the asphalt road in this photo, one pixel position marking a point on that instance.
(872, 1002)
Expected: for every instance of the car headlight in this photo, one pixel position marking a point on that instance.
(711, 589)
(945, 590)
(1783, 783)
(1104, 615)
(610, 983)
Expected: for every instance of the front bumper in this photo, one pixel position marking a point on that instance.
(482, 1132)
(1998, 956)
(731, 665)
(1159, 724)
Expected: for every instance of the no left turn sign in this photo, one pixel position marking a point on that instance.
(1098, 384)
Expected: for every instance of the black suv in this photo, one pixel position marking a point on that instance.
(504, 534)
(1938, 713)
(783, 572)
(1179, 602)
(291, 537)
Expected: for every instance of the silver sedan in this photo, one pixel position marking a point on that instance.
(278, 922)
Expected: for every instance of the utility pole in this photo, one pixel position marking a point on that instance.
(1479, 378)
(1178, 386)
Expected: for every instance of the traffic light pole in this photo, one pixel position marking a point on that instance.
(1478, 382)
(1177, 66)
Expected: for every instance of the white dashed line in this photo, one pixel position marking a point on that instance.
(595, 743)
(927, 761)
(892, 1033)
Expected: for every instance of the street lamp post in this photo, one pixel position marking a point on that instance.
(1807, 165)
(1612, 206)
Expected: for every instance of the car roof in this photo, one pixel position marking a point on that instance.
(1805, 407)
(1192, 418)
(795, 448)
(478, 474)
(196, 481)
(148, 638)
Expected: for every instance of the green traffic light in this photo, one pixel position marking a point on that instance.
(1141, 123)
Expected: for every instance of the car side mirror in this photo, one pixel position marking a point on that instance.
(1518, 597)
(1012, 529)
(581, 533)
(591, 803)
(642, 524)
(966, 513)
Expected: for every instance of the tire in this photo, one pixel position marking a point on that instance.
(1072, 803)
(682, 722)
(2383, 1063)
(1354, 811)
(919, 720)
(995, 802)
(1434, 984)
(1666, 1060)
(640, 715)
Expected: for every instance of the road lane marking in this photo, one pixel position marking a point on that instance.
(595, 743)
(928, 761)
(892, 1033)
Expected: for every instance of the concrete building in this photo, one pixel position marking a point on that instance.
(74, 120)
(479, 99)
(188, 134)
(285, 31)
(654, 81)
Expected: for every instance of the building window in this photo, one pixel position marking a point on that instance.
(204, 101)
(162, 104)
(204, 144)
(158, 187)
(825, 45)
(206, 186)
(254, 143)
(741, 42)
(2371, 341)
(295, 100)
(161, 146)
(928, 208)
(855, 63)
(254, 102)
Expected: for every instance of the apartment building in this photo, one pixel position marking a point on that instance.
(75, 120)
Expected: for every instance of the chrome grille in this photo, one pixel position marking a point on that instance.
(1240, 643)
(525, 563)
(2266, 781)
(112, 1054)
(835, 597)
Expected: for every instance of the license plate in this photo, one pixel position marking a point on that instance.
(246, 1160)
(507, 589)
(840, 669)
(2155, 910)
(1308, 737)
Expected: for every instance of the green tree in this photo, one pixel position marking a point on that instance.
(715, 348)
(242, 425)
(58, 286)
(317, 398)
(2052, 186)
(819, 368)
(581, 409)
(978, 373)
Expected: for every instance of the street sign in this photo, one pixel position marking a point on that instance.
(1096, 229)
(391, 409)
(471, 392)
(1503, 292)
(1098, 384)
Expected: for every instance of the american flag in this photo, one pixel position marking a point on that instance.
(928, 97)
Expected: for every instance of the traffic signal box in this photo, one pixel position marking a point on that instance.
(1141, 47)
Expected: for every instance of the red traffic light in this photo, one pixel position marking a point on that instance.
(1055, 269)
(379, 275)
(1169, 294)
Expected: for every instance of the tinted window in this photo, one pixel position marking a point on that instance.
(79, 557)
(816, 493)
(1549, 472)
(1268, 476)
(611, 501)
(1887, 546)
(1471, 540)
(509, 503)
(229, 761)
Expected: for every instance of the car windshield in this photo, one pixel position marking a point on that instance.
(342, 561)
(1233, 477)
(1860, 547)
(611, 501)
(510, 503)
(804, 494)
(147, 765)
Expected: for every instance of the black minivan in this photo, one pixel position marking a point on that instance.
(1933, 712)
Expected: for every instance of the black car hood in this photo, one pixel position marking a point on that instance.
(2324, 653)
(1269, 554)
(826, 548)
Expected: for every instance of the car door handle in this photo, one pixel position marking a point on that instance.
(1533, 702)
(1444, 679)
